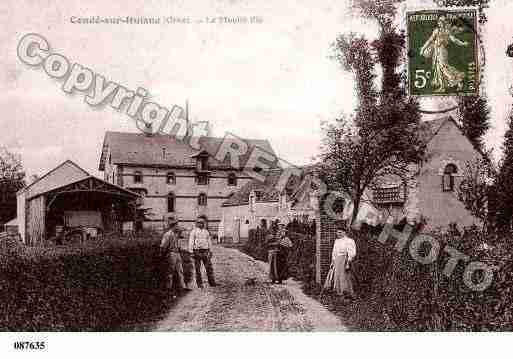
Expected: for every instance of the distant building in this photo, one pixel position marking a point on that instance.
(175, 179)
(255, 204)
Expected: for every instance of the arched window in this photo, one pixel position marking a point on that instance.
(171, 202)
(171, 178)
(202, 199)
(138, 177)
(448, 177)
(232, 179)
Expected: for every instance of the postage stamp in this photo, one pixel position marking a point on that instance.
(443, 53)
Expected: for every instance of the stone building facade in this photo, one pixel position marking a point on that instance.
(175, 179)
(429, 191)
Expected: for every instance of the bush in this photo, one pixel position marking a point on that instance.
(94, 286)
(419, 297)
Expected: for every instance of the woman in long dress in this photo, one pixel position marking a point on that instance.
(278, 256)
(443, 75)
(344, 251)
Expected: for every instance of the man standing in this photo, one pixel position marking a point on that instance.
(200, 246)
(170, 246)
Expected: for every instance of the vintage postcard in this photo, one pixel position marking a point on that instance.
(332, 166)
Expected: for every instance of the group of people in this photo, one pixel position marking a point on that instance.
(199, 247)
(339, 275)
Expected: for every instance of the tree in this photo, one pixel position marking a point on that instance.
(11, 180)
(474, 188)
(474, 119)
(504, 182)
(382, 136)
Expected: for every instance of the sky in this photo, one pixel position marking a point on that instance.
(272, 80)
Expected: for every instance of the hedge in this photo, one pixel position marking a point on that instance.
(394, 292)
(98, 286)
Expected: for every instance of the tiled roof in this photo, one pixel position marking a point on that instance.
(428, 129)
(268, 190)
(165, 150)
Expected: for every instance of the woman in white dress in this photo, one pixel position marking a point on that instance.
(344, 251)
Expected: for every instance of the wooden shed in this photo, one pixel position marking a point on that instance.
(68, 197)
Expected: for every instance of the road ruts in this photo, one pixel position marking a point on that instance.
(245, 301)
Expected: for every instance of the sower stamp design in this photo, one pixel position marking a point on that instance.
(442, 52)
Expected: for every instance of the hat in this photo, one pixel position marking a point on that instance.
(172, 221)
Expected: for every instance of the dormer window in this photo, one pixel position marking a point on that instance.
(448, 178)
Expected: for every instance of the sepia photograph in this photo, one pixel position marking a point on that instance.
(260, 169)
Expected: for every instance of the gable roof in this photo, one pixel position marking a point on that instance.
(164, 150)
(429, 129)
(65, 173)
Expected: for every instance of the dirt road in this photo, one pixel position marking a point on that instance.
(246, 301)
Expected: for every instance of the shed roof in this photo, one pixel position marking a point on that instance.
(66, 172)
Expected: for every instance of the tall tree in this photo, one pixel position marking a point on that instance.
(504, 182)
(382, 136)
(474, 188)
(474, 119)
(12, 178)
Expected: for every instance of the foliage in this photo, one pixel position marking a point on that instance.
(504, 182)
(11, 167)
(382, 137)
(94, 286)
(474, 188)
(400, 294)
(12, 179)
(474, 119)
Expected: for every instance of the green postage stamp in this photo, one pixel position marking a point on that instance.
(442, 51)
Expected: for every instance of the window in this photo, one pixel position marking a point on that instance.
(138, 178)
(171, 178)
(232, 179)
(448, 178)
(258, 196)
(202, 178)
(204, 163)
(171, 202)
(202, 199)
